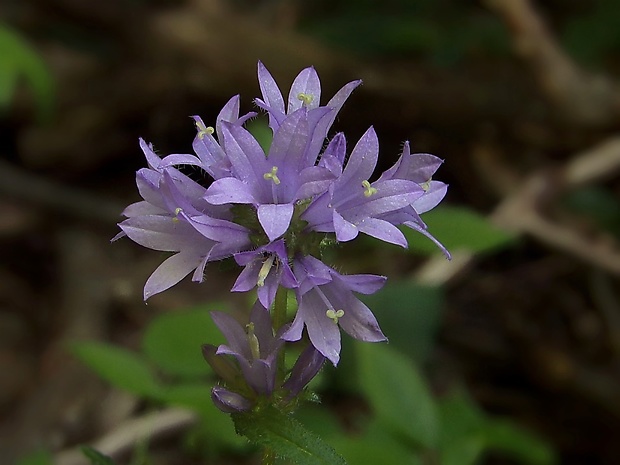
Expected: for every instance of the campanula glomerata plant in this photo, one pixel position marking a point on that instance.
(275, 213)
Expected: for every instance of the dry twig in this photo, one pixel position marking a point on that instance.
(124, 438)
(582, 97)
(520, 213)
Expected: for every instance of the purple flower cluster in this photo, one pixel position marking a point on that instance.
(274, 212)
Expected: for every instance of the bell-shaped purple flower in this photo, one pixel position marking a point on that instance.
(173, 217)
(326, 303)
(266, 268)
(272, 184)
(305, 369)
(420, 168)
(228, 401)
(254, 347)
(353, 204)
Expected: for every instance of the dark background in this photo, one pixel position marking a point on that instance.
(520, 98)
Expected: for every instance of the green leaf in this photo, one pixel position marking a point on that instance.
(375, 445)
(19, 60)
(410, 314)
(38, 457)
(259, 128)
(466, 450)
(398, 393)
(457, 228)
(96, 457)
(173, 342)
(506, 437)
(286, 437)
(462, 441)
(120, 367)
(467, 433)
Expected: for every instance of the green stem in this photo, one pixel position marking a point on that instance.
(279, 320)
(279, 308)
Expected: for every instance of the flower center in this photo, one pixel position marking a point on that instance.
(305, 98)
(272, 175)
(368, 189)
(203, 130)
(264, 271)
(175, 218)
(334, 314)
(253, 341)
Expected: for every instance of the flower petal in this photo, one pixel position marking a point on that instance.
(275, 218)
(324, 334)
(170, 272)
(159, 232)
(307, 83)
(432, 197)
(363, 159)
(359, 322)
(234, 333)
(229, 190)
(270, 91)
(345, 231)
(228, 401)
(245, 154)
(383, 230)
(306, 367)
(363, 283)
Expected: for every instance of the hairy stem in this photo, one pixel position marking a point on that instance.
(279, 319)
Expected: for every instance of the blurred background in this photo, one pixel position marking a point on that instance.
(508, 354)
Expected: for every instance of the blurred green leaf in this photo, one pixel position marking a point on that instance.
(319, 419)
(122, 368)
(505, 436)
(371, 449)
(467, 433)
(39, 457)
(95, 457)
(462, 441)
(398, 393)
(376, 445)
(286, 437)
(19, 60)
(409, 314)
(259, 128)
(173, 341)
(457, 228)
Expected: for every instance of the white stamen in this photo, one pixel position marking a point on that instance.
(264, 270)
(203, 130)
(305, 98)
(253, 341)
(334, 315)
(368, 189)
